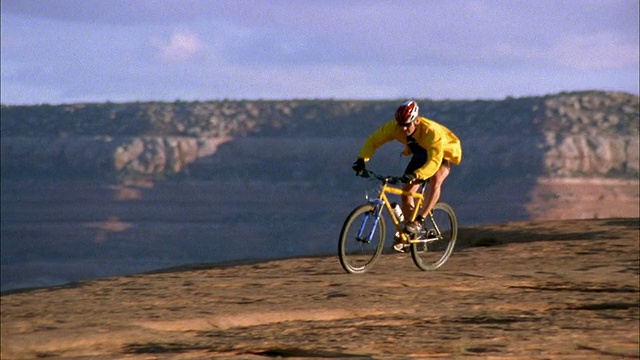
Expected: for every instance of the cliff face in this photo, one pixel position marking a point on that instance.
(591, 135)
(567, 135)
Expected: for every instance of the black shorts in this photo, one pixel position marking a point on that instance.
(418, 161)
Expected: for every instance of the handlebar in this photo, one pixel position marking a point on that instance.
(385, 179)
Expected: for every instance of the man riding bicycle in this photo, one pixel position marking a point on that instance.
(433, 148)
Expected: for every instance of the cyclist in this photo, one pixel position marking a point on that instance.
(433, 148)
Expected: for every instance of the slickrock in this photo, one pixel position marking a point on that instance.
(534, 290)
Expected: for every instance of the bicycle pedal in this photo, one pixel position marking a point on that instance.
(401, 248)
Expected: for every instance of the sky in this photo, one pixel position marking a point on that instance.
(70, 51)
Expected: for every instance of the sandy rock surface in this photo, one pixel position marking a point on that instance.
(526, 290)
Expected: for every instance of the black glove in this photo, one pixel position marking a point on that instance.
(359, 166)
(408, 178)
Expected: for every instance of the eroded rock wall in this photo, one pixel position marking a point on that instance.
(565, 135)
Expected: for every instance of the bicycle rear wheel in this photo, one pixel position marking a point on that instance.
(361, 239)
(442, 231)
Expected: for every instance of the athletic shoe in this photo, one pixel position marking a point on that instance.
(414, 227)
(398, 245)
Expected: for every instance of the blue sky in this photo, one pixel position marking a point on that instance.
(65, 51)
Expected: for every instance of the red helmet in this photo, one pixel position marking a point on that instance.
(407, 113)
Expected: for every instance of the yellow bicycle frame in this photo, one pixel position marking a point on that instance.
(386, 188)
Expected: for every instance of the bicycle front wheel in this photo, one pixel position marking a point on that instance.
(441, 233)
(361, 239)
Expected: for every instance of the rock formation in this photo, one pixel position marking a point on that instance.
(94, 190)
(567, 135)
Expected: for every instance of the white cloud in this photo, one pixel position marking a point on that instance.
(180, 47)
(601, 51)
(591, 52)
(61, 51)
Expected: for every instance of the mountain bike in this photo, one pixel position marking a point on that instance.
(363, 233)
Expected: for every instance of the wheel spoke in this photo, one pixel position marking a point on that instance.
(431, 254)
(361, 240)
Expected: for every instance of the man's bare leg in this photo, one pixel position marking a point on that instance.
(433, 192)
(408, 204)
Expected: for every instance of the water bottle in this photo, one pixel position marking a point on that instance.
(397, 211)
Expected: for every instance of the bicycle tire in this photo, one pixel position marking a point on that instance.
(357, 255)
(430, 255)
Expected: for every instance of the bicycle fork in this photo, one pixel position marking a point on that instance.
(375, 213)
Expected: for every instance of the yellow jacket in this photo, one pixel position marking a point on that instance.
(439, 142)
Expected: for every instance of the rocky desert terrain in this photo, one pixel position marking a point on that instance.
(99, 190)
(519, 290)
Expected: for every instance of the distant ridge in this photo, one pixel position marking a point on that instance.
(95, 190)
(590, 133)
